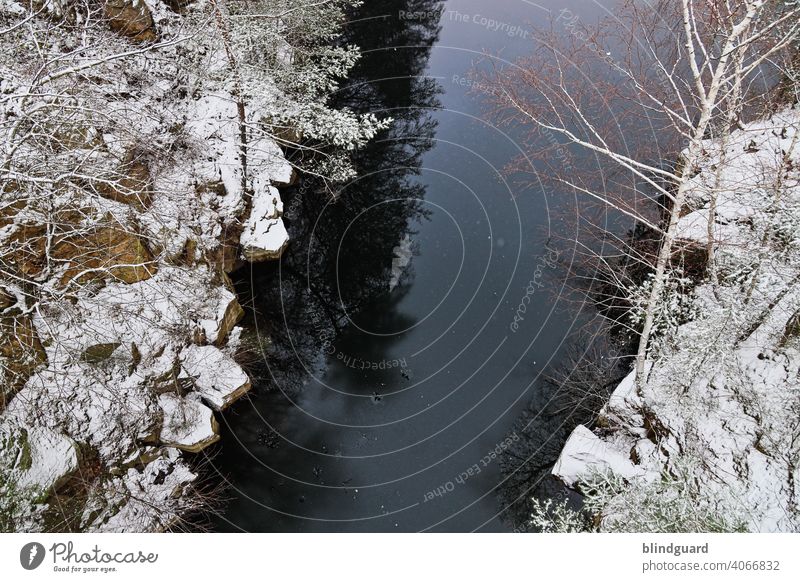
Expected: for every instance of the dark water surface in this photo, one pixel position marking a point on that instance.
(384, 410)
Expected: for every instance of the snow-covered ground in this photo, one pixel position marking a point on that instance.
(722, 395)
(134, 313)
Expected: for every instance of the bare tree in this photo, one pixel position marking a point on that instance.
(689, 68)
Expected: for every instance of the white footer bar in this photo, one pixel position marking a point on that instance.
(390, 557)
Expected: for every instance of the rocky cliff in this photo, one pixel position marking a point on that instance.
(718, 414)
(125, 204)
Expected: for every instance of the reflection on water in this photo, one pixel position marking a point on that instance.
(390, 376)
(343, 256)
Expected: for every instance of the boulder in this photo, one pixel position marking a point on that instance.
(105, 250)
(7, 299)
(149, 498)
(23, 249)
(100, 245)
(264, 237)
(97, 353)
(10, 207)
(35, 460)
(226, 253)
(287, 135)
(585, 452)
(216, 376)
(226, 312)
(131, 184)
(131, 18)
(188, 424)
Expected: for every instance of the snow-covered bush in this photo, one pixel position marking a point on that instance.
(675, 307)
(674, 503)
(284, 53)
(550, 516)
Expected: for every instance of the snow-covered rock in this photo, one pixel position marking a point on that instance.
(624, 403)
(161, 165)
(148, 498)
(149, 305)
(216, 376)
(108, 416)
(226, 314)
(165, 309)
(34, 460)
(188, 424)
(585, 451)
(264, 237)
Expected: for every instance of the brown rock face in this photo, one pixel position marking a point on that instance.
(131, 184)
(287, 134)
(8, 211)
(226, 254)
(107, 250)
(24, 250)
(99, 352)
(233, 314)
(131, 19)
(6, 299)
(20, 353)
(104, 251)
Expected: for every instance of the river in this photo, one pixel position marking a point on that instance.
(391, 369)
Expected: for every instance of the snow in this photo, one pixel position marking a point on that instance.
(134, 372)
(624, 402)
(141, 498)
(111, 403)
(188, 424)
(216, 376)
(264, 236)
(53, 457)
(722, 391)
(36, 459)
(753, 156)
(585, 451)
(213, 121)
(173, 304)
(225, 316)
(114, 401)
(11, 7)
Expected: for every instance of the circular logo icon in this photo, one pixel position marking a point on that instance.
(31, 555)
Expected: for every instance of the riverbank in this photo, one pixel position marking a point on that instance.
(163, 149)
(710, 441)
